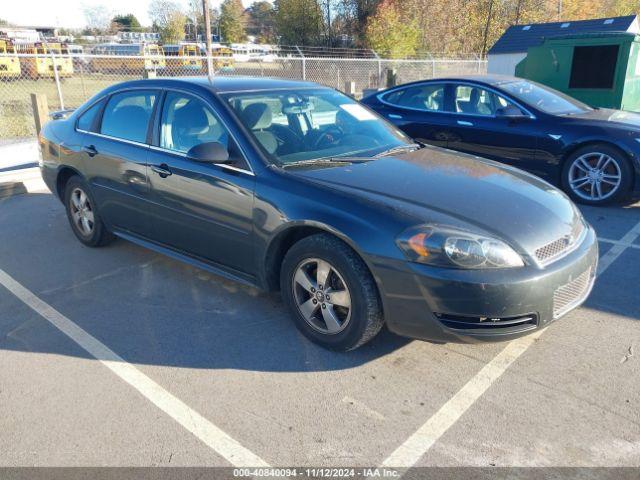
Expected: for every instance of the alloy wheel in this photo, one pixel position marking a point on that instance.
(82, 212)
(595, 176)
(322, 296)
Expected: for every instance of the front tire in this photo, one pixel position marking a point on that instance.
(330, 293)
(83, 215)
(597, 175)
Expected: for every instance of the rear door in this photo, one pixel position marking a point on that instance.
(116, 160)
(420, 111)
(479, 129)
(202, 209)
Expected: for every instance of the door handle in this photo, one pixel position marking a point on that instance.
(396, 116)
(162, 170)
(90, 150)
(464, 123)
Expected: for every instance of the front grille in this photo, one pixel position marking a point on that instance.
(569, 295)
(556, 248)
(460, 322)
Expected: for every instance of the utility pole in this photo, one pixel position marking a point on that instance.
(559, 10)
(486, 29)
(207, 32)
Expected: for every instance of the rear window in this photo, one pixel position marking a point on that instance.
(127, 115)
(429, 98)
(85, 122)
(594, 67)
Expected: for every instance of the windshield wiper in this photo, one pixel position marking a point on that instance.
(328, 161)
(400, 148)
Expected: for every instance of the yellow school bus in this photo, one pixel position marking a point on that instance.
(44, 56)
(222, 58)
(184, 57)
(9, 61)
(127, 57)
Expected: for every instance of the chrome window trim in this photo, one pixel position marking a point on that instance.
(109, 137)
(225, 124)
(184, 155)
(453, 82)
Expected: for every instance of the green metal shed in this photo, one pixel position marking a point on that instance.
(600, 69)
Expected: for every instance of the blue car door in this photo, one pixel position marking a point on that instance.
(488, 125)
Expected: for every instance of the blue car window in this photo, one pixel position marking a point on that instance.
(429, 98)
(187, 121)
(127, 115)
(85, 122)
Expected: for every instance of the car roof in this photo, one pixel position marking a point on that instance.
(490, 80)
(219, 84)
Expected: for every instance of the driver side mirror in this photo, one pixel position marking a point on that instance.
(209, 152)
(510, 111)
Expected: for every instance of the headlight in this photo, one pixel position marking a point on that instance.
(451, 247)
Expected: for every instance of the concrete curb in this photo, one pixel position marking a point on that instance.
(18, 182)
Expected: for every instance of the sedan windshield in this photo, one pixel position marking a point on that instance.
(544, 99)
(306, 125)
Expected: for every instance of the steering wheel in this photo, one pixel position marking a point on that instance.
(328, 136)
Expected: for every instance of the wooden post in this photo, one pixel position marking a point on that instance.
(40, 110)
(392, 77)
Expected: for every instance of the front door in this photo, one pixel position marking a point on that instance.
(201, 209)
(479, 129)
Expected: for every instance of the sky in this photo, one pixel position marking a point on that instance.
(70, 13)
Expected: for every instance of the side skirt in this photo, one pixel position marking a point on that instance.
(190, 260)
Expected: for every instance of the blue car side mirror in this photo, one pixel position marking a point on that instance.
(209, 152)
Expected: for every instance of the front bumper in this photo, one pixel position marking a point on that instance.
(453, 305)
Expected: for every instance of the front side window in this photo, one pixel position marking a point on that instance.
(87, 119)
(187, 121)
(544, 98)
(425, 97)
(311, 124)
(127, 115)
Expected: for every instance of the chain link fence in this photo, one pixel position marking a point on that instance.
(69, 80)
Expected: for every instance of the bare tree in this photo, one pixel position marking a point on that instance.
(98, 17)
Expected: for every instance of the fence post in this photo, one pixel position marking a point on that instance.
(350, 88)
(304, 63)
(40, 110)
(379, 72)
(433, 68)
(57, 78)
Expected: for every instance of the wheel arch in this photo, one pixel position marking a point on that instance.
(62, 177)
(286, 237)
(596, 141)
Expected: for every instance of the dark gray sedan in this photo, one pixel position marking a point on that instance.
(295, 187)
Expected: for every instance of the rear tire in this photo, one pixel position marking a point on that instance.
(330, 293)
(597, 174)
(83, 214)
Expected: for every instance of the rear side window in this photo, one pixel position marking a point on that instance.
(594, 67)
(429, 98)
(87, 119)
(127, 115)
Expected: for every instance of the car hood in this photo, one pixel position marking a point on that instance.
(609, 115)
(433, 183)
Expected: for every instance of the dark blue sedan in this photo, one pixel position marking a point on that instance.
(295, 187)
(593, 153)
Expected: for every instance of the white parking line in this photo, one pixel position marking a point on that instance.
(410, 452)
(191, 420)
(618, 242)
